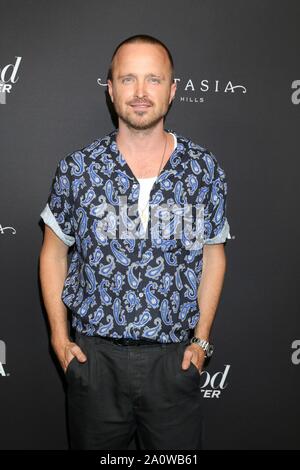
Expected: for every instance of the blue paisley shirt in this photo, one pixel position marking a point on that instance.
(135, 284)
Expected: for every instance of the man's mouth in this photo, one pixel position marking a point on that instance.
(140, 105)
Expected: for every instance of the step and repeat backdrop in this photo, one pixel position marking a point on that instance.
(238, 94)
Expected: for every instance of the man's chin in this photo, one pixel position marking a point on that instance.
(141, 124)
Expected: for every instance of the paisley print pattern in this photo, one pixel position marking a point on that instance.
(141, 286)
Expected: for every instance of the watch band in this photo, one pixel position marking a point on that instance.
(207, 347)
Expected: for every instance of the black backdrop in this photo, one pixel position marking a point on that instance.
(237, 65)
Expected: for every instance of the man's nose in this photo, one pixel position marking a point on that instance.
(140, 89)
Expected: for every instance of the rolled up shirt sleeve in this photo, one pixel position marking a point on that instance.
(57, 213)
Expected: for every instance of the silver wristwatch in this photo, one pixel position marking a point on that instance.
(205, 345)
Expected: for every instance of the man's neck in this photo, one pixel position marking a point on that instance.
(141, 142)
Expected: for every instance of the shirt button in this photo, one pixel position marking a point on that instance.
(141, 294)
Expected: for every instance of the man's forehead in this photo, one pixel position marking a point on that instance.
(140, 52)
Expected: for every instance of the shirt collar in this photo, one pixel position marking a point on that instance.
(172, 166)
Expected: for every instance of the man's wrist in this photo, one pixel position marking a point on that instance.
(202, 332)
(59, 340)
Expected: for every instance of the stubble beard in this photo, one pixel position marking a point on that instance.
(139, 124)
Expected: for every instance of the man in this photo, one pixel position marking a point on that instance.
(135, 298)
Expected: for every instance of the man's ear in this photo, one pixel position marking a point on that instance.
(173, 91)
(109, 87)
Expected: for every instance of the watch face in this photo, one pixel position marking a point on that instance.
(210, 350)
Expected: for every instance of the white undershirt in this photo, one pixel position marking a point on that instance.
(145, 188)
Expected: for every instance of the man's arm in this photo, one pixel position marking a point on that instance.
(209, 292)
(210, 288)
(53, 271)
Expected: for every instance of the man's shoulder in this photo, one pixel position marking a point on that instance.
(194, 149)
(77, 159)
(200, 159)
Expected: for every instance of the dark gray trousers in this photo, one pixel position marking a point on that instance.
(122, 390)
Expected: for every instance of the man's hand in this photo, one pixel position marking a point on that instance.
(194, 354)
(66, 351)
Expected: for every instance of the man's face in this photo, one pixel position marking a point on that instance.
(141, 89)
